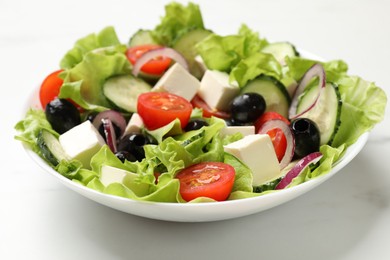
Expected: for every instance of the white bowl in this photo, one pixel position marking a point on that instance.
(197, 212)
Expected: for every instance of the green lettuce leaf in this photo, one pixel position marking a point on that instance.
(364, 105)
(84, 82)
(178, 20)
(105, 39)
(255, 65)
(225, 52)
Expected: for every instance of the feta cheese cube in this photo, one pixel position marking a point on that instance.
(258, 153)
(135, 124)
(82, 142)
(244, 130)
(109, 174)
(216, 90)
(178, 81)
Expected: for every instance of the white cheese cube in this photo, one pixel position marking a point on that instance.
(244, 130)
(258, 153)
(178, 81)
(109, 174)
(82, 142)
(216, 90)
(135, 124)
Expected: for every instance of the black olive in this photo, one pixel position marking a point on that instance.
(232, 122)
(247, 107)
(91, 116)
(62, 115)
(125, 155)
(307, 136)
(195, 124)
(133, 143)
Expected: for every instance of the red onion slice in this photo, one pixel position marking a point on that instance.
(298, 168)
(316, 70)
(109, 133)
(114, 116)
(160, 52)
(277, 123)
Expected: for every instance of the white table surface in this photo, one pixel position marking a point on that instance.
(347, 217)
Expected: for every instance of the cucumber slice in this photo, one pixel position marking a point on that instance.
(326, 112)
(280, 50)
(142, 37)
(273, 91)
(50, 147)
(186, 46)
(124, 90)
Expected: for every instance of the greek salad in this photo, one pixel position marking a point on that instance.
(182, 114)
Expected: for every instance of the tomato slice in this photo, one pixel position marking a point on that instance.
(158, 109)
(208, 111)
(278, 139)
(269, 115)
(279, 142)
(208, 179)
(155, 66)
(50, 88)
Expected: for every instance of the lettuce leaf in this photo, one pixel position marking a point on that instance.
(178, 20)
(84, 82)
(364, 105)
(107, 38)
(255, 65)
(225, 52)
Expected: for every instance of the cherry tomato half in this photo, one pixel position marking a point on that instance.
(50, 88)
(278, 139)
(160, 108)
(208, 179)
(269, 115)
(208, 111)
(155, 66)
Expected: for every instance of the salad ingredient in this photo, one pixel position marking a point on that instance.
(117, 119)
(50, 146)
(153, 65)
(207, 110)
(50, 88)
(186, 45)
(269, 115)
(179, 81)
(216, 90)
(157, 60)
(158, 109)
(109, 134)
(281, 50)
(257, 152)
(134, 144)
(125, 155)
(142, 37)
(273, 91)
(307, 136)
(298, 169)
(246, 108)
(135, 124)
(290, 140)
(62, 115)
(123, 91)
(195, 124)
(208, 179)
(317, 70)
(243, 130)
(82, 142)
(325, 113)
(178, 20)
